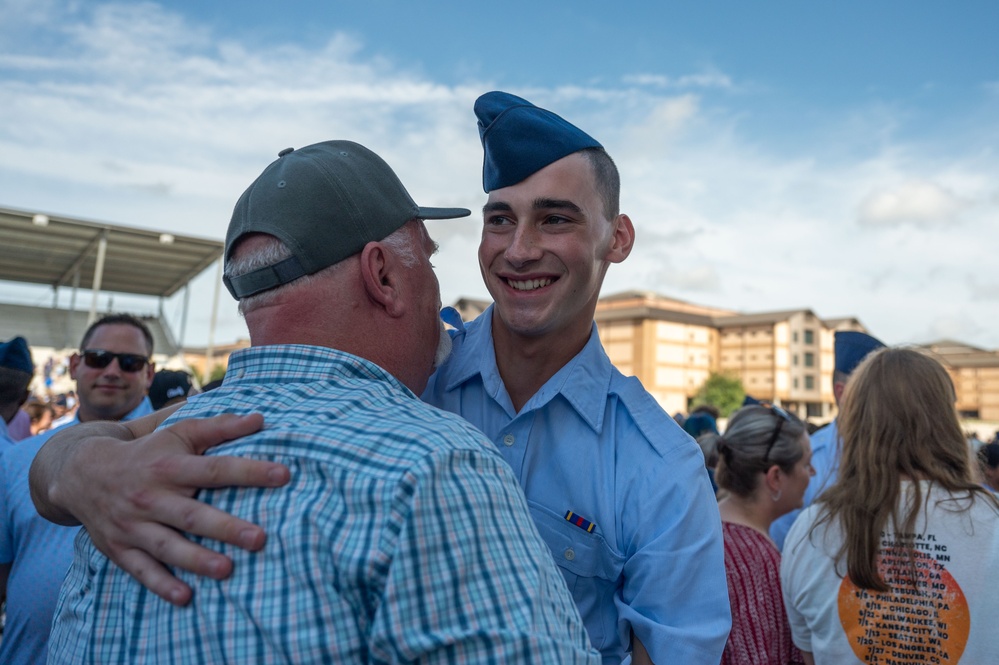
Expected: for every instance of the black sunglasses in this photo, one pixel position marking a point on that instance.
(99, 359)
(782, 417)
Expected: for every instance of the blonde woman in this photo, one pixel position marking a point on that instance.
(764, 466)
(889, 563)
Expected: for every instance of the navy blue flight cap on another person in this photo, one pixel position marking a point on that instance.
(325, 201)
(15, 354)
(519, 139)
(697, 424)
(851, 347)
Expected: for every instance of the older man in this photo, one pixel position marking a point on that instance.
(402, 536)
(113, 371)
(616, 489)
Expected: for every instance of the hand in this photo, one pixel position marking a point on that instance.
(135, 496)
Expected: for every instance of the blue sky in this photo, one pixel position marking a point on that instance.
(774, 155)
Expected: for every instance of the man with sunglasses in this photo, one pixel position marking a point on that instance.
(113, 371)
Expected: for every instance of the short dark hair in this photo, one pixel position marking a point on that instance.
(119, 319)
(988, 455)
(13, 385)
(608, 180)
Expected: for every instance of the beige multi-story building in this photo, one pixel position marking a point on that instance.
(975, 373)
(784, 357)
(672, 346)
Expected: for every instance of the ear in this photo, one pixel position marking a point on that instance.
(150, 372)
(74, 363)
(838, 387)
(773, 478)
(622, 239)
(381, 275)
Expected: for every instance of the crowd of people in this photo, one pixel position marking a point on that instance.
(369, 484)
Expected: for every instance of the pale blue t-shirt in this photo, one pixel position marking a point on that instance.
(39, 552)
(617, 490)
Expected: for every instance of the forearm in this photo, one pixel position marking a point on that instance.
(57, 466)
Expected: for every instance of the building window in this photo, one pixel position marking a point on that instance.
(795, 383)
(809, 337)
(794, 359)
(809, 360)
(794, 337)
(809, 383)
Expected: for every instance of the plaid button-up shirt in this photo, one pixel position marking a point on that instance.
(402, 536)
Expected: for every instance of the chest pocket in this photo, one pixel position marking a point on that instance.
(592, 570)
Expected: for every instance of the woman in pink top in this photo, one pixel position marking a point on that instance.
(764, 465)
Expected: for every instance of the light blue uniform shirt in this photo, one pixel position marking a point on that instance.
(401, 537)
(595, 443)
(40, 552)
(825, 461)
(6, 441)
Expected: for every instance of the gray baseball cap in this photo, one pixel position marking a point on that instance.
(325, 201)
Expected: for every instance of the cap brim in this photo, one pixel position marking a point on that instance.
(444, 213)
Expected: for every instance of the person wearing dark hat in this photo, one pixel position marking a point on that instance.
(618, 491)
(849, 348)
(988, 465)
(112, 370)
(170, 387)
(16, 372)
(402, 535)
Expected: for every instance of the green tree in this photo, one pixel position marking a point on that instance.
(722, 391)
(218, 372)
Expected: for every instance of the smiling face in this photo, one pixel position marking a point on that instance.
(109, 393)
(546, 245)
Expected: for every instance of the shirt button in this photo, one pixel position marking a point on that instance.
(508, 440)
(569, 554)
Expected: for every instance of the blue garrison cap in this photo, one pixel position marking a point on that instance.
(519, 139)
(851, 347)
(697, 424)
(15, 354)
(750, 401)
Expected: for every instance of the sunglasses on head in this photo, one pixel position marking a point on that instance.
(99, 359)
(782, 417)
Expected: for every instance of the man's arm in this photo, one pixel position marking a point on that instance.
(133, 489)
(675, 594)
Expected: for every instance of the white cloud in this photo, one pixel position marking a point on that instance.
(920, 203)
(135, 115)
(707, 79)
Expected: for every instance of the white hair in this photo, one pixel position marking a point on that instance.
(272, 251)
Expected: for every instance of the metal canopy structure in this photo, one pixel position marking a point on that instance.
(61, 251)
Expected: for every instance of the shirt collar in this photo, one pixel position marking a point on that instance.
(584, 381)
(283, 363)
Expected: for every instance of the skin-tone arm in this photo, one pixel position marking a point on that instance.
(133, 489)
(808, 657)
(639, 656)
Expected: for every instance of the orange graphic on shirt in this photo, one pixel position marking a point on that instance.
(925, 622)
